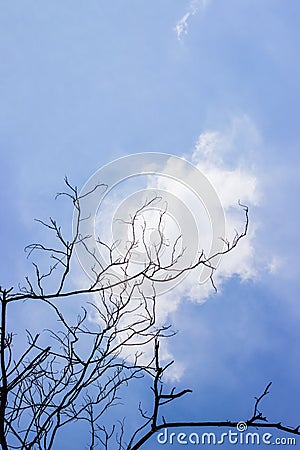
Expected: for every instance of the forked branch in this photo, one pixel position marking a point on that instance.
(257, 420)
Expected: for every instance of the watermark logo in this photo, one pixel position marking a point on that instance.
(240, 436)
(242, 426)
(149, 206)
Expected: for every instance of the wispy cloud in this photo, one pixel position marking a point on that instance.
(181, 27)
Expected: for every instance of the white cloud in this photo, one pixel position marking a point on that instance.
(275, 265)
(219, 156)
(181, 27)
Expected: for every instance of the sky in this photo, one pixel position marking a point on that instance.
(216, 83)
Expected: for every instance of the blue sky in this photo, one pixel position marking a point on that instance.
(82, 84)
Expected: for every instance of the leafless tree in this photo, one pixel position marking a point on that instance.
(74, 371)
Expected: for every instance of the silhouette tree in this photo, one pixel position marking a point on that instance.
(74, 371)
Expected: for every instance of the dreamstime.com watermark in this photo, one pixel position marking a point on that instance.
(232, 437)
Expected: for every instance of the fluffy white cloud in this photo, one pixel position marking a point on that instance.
(218, 155)
(223, 159)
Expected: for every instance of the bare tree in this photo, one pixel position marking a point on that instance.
(74, 371)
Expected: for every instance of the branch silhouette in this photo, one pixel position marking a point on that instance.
(73, 369)
(257, 420)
